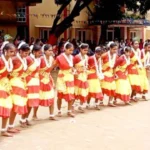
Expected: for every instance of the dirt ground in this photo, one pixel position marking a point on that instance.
(120, 128)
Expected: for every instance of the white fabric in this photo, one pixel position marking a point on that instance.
(8, 64)
(3, 45)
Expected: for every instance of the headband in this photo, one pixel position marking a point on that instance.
(22, 43)
(111, 42)
(43, 47)
(66, 44)
(31, 47)
(4, 44)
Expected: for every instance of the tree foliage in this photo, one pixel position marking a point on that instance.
(115, 9)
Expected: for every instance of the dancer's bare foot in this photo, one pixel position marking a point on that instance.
(81, 110)
(59, 114)
(97, 107)
(6, 134)
(53, 119)
(111, 105)
(28, 123)
(36, 119)
(13, 130)
(70, 114)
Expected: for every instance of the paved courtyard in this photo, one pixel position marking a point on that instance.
(120, 128)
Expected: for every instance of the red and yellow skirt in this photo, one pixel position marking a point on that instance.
(123, 89)
(81, 87)
(95, 90)
(33, 89)
(47, 93)
(108, 84)
(134, 79)
(19, 95)
(144, 80)
(5, 98)
(65, 85)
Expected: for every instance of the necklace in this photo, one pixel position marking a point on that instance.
(98, 68)
(111, 60)
(8, 64)
(138, 57)
(23, 61)
(69, 59)
(48, 62)
(37, 60)
(85, 59)
(146, 58)
(127, 60)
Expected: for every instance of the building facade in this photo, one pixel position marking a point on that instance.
(43, 15)
(14, 17)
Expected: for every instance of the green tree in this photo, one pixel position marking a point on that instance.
(109, 10)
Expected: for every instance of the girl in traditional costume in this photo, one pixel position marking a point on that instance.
(65, 79)
(6, 67)
(123, 87)
(133, 74)
(94, 76)
(36, 53)
(145, 59)
(32, 82)
(47, 93)
(18, 84)
(108, 62)
(81, 83)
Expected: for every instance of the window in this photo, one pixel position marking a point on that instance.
(21, 14)
(83, 35)
(132, 34)
(44, 33)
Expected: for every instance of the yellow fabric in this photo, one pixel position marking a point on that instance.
(108, 85)
(82, 77)
(5, 86)
(46, 95)
(18, 99)
(143, 79)
(61, 82)
(123, 87)
(134, 79)
(34, 82)
(94, 86)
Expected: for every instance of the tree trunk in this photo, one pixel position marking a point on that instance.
(60, 28)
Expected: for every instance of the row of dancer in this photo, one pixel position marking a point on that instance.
(26, 81)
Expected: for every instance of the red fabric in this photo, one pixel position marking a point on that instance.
(109, 79)
(4, 112)
(3, 94)
(29, 60)
(91, 63)
(81, 98)
(62, 62)
(2, 65)
(47, 103)
(121, 75)
(20, 109)
(136, 88)
(124, 98)
(19, 91)
(108, 92)
(33, 89)
(96, 95)
(81, 84)
(76, 59)
(33, 102)
(67, 97)
(131, 70)
(120, 61)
